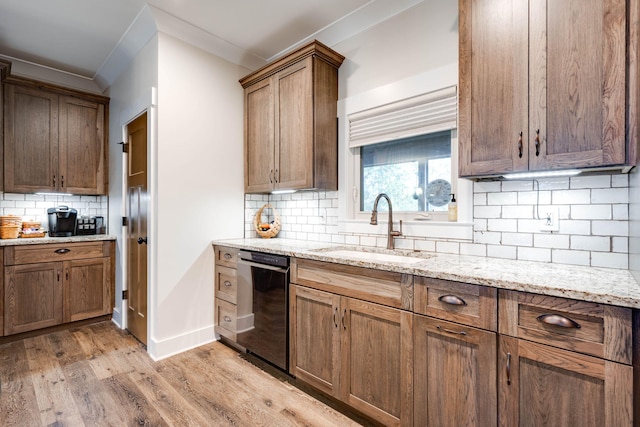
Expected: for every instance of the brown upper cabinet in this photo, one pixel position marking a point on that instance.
(542, 85)
(290, 121)
(54, 139)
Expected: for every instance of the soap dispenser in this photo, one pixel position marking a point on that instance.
(453, 208)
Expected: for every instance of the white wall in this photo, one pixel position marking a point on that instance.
(130, 96)
(199, 188)
(422, 38)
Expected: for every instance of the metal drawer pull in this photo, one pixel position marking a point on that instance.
(227, 283)
(449, 331)
(227, 255)
(520, 145)
(508, 368)
(227, 319)
(335, 314)
(557, 320)
(452, 300)
(62, 251)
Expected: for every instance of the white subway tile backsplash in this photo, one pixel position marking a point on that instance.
(425, 245)
(592, 181)
(554, 241)
(562, 256)
(487, 187)
(621, 180)
(509, 225)
(593, 214)
(620, 212)
(517, 239)
(620, 244)
(517, 212)
(510, 198)
(473, 249)
(487, 211)
(610, 260)
(517, 186)
(610, 195)
(499, 251)
(558, 183)
(591, 243)
(571, 197)
(534, 254)
(448, 247)
(610, 228)
(575, 227)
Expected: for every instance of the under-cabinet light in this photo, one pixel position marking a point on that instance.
(283, 191)
(53, 194)
(542, 174)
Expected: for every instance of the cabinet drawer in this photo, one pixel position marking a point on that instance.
(472, 305)
(586, 327)
(382, 287)
(31, 254)
(226, 284)
(226, 256)
(226, 319)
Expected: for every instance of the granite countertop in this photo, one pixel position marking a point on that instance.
(47, 239)
(600, 285)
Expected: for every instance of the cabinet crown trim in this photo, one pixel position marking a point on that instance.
(315, 48)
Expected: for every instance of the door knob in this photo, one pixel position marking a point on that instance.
(142, 240)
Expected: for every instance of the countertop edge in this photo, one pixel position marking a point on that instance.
(593, 284)
(53, 240)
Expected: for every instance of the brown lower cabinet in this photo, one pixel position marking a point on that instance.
(455, 376)
(356, 351)
(540, 385)
(40, 294)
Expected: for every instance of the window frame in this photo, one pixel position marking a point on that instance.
(350, 218)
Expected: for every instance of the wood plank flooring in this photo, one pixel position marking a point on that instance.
(98, 375)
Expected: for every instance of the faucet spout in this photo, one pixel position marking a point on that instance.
(391, 233)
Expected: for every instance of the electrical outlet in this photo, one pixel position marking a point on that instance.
(549, 219)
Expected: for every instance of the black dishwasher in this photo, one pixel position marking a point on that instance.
(267, 275)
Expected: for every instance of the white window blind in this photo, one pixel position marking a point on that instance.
(431, 112)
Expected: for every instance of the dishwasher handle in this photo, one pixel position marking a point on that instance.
(265, 266)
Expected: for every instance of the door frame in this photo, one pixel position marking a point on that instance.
(149, 105)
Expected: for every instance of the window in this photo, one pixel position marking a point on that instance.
(405, 149)
(403, 170)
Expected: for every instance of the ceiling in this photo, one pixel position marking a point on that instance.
(81, 37)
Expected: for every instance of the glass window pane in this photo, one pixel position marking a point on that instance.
(403, 169)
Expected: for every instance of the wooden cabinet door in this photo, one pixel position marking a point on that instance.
(541, 385)
(294, 126)
(82, 146)
(493, 86)
(259, 172)
(33, 297)
(577, 84)
(454, 374)
(30, 140)
(315, 325)
(87, 288)
(376, 373)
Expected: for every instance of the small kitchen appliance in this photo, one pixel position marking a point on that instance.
(62, 221)
(90, 225)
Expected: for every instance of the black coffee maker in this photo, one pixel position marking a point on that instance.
(62, 221)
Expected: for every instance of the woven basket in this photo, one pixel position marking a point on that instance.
(274, 228)
(9, 231)
(10, 220)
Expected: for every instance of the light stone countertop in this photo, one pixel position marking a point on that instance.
(47, 240)
(600, 285)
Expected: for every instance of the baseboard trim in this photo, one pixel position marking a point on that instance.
(161, 349)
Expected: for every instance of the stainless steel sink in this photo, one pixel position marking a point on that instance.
(373, 255)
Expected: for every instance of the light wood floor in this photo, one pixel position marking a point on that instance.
(98, 375)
